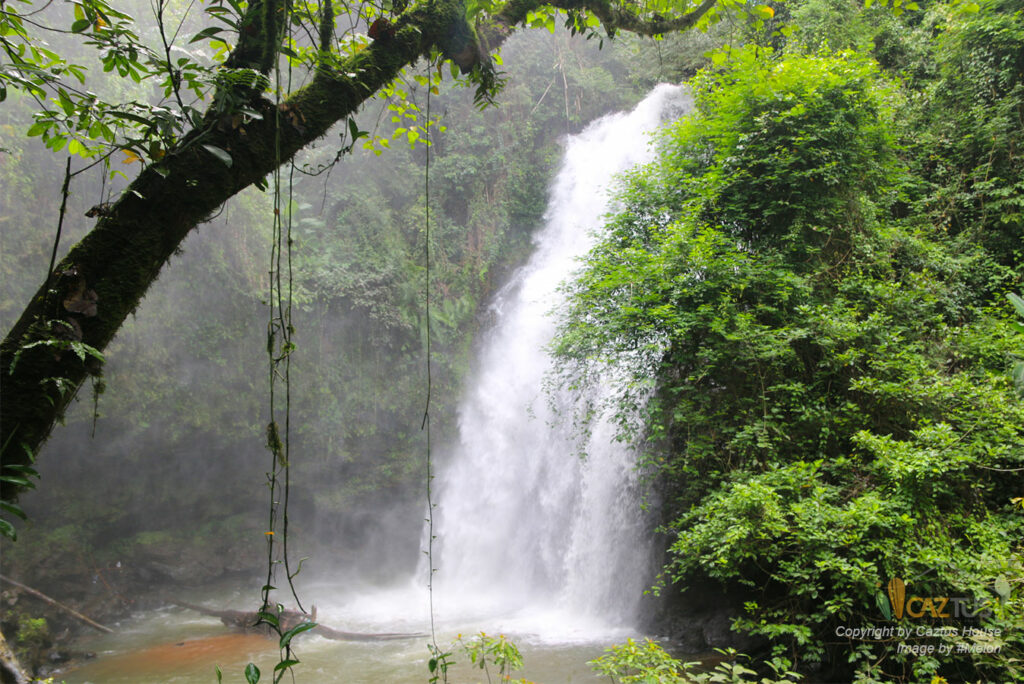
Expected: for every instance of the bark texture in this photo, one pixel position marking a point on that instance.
(10, 670)
(105, 276)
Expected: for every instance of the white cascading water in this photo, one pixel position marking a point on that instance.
(526, 531)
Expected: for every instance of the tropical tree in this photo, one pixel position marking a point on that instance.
(223, 124)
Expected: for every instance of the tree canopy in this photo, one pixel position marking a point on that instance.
(809, 288)
(225, 120)
(809, 296)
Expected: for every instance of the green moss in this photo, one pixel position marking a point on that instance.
(33, 632)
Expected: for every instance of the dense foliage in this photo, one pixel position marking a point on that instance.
(813, 284)
(807, 291)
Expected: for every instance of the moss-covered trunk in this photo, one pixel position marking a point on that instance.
(53, 347)
(104, 277)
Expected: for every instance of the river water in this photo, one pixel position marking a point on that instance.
(531, 541)
(177, 646)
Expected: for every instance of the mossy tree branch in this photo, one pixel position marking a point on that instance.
(42, 358)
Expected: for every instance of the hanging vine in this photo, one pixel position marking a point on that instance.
(280, 347)
(425, 425)
(439, 659)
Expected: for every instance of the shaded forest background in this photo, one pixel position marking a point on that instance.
(815, 272)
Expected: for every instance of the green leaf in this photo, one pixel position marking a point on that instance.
(221, 155)
(220, 675)
(7, 530)
(80, 25)
(13, 509)
(1018, 303)
(206, 33)
(285, 664)
(286, 638)
(252, 673)
(17, 467)
(269, 618)
(132, 117)
(65, 102)
(1002, 587)
(882, 601)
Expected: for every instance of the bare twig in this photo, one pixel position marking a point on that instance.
(56, 604)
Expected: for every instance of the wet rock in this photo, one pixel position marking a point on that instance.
(700, 619)
(56, 657)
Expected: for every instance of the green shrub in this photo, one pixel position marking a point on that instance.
(831, 405)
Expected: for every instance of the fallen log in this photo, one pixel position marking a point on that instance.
(248, 621)
(56, 604)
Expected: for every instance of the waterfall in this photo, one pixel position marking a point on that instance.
(524, 527)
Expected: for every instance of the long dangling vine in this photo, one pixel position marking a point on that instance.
(438, 663)
(279, 351)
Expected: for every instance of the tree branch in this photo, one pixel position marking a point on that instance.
(618, 18)
(41, 366)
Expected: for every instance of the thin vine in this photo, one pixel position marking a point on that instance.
(64, 192)
(279, 350)
(438, 665)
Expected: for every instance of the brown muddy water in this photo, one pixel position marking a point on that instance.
(173, 645)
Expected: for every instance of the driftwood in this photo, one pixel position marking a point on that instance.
(57, 604)
(248, 621)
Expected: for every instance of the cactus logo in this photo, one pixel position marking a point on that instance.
(897, 593)
(938, 607)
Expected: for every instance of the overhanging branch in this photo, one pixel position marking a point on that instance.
(619, 18)
(124, 253)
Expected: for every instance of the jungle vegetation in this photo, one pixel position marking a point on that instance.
(812, 289)
(61, 334)
(810, 285)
